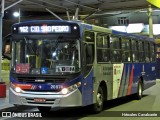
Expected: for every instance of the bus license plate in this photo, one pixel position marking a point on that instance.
(40, 100)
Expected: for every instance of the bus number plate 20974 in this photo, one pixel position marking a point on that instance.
(40, 100)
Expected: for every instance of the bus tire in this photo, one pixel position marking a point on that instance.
(139, 93)
(44, 109)
(98, 106)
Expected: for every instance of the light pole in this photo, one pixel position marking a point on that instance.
(1, 23)
(150, 21)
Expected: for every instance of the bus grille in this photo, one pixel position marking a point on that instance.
(41, 79)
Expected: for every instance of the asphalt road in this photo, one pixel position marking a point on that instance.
(124, 108)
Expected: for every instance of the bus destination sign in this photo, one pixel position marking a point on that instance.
(44, 29)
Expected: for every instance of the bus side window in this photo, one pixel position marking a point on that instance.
(147, 53)
(88, 51)
(103, 50)
(115, 49)
(88, 58)
(135, 52)
(141, 51)
(89, 36)
(89, 54)
(116, 56)
(126, 50)
(152, 52)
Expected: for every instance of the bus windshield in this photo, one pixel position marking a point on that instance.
(46, 56)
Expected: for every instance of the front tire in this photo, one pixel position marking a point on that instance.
(98, 106)
(139, 93)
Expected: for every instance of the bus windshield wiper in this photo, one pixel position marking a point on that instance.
(28, 45)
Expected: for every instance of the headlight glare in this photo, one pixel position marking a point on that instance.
(18, 89)
(70, 88)
(64, 91)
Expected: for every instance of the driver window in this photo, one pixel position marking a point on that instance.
(88, 51)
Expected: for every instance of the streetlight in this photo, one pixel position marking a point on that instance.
(17, 14)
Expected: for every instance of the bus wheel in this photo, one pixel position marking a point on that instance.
(139, 93)
(98, 106)
(44, 109)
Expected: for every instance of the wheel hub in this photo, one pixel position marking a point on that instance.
(99, 99)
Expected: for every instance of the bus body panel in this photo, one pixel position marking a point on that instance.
(158, 59)
(83, 94)
(37, 90)
(51, 99)
(87, 89)
(122, 79)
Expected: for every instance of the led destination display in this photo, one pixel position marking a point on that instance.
(44, 29)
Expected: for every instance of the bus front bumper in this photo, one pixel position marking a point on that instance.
(48, 99)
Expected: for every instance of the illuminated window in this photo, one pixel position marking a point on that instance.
(141, 51)
(123, 20)
(115, 45)
(126, 53)
(135, 53)
(103, 48)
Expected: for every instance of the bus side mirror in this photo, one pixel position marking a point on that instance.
(6, 48)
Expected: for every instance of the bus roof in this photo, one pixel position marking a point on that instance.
(88, 27)
(114, 32)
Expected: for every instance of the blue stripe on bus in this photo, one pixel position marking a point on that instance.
(45, 86)
(87, 89)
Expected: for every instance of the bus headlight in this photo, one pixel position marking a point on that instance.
(70, 88)
(15, 88)
(64, 91)
(18, 89)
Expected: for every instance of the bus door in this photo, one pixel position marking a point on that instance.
(88, 58)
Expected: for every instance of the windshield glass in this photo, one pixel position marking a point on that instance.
(46, 56)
